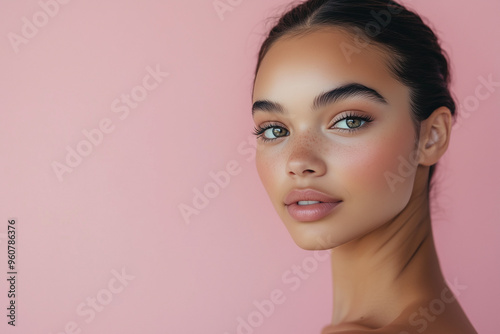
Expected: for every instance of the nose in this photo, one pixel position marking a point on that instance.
(305, 161)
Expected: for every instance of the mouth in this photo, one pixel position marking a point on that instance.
(308, 196)
(308, 202)
(309, 211)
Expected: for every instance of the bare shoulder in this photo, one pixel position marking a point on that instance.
(431, 317)
(400, 329)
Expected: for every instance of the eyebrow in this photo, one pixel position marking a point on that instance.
(340, 93)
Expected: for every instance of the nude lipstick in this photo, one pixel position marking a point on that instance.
(307, 205)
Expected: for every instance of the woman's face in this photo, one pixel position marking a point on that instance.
(358, 161)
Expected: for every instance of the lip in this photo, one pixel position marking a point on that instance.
(308, 194)
(312, 212)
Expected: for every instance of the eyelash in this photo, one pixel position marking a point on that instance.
(259, 131)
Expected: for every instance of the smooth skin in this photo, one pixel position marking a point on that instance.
(385, 269)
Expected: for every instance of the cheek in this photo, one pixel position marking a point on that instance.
(268, 170)
(366, 169)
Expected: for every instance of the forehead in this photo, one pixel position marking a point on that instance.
(321, 59)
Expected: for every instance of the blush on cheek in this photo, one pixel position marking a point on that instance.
(365, 168)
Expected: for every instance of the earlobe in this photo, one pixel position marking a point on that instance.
(435, 136)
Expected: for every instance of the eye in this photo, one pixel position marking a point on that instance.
(270, 132)
(349, 122)
(352, 122)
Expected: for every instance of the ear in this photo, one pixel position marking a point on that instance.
(435, 134)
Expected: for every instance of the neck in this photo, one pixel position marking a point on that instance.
(382, 273)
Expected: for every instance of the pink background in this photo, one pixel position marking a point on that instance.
(119, 208)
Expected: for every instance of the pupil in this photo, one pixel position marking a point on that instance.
(353, 123)
(277, 132)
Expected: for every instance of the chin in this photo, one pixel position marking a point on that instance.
(333, 232)
(311, 245)
(314, 236)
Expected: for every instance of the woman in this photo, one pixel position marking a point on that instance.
(352, 110)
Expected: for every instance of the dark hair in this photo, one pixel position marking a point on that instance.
(418, 61)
